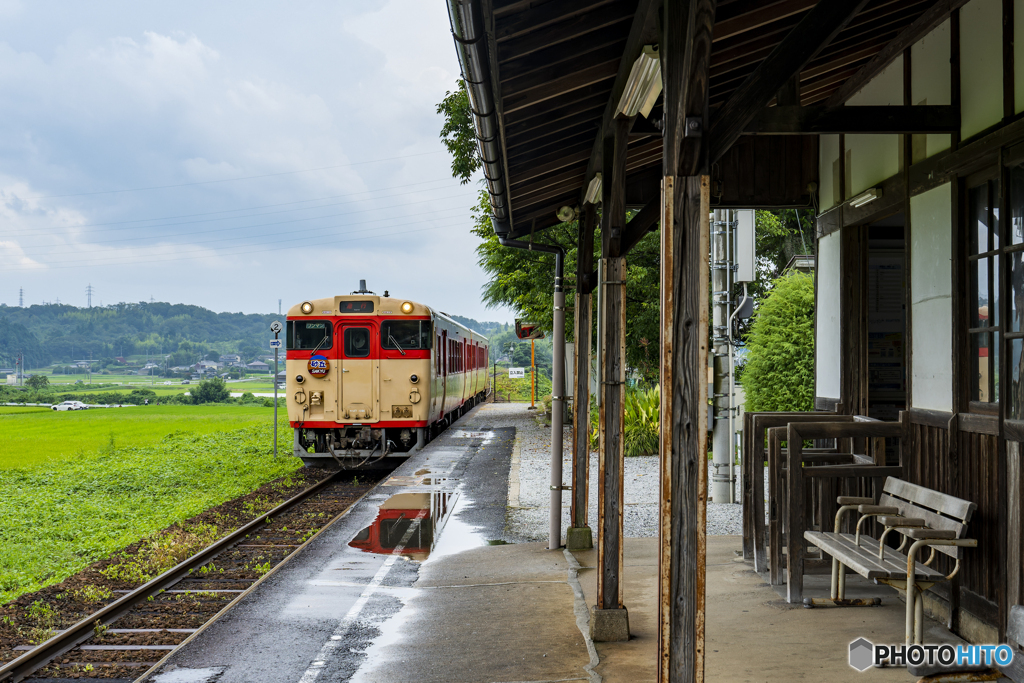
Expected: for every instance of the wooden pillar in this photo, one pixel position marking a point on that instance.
(685, 234)
(610, 620)
(579, 536)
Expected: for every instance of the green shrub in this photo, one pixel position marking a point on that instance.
(779, 371)
(642, 414)
(210, 391)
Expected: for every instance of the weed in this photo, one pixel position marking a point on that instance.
(43, 615)
(90, 593)
(158, 554)
(260, 569)
(99, 628)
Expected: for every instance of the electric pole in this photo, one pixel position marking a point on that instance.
(721, 281)
(21, 297)
(88, 295)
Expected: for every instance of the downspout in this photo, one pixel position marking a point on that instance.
(470, 36)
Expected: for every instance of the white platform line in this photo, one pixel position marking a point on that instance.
(320, 663)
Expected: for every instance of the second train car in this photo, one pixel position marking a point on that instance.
(374, 376)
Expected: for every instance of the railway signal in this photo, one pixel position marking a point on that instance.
(275, 344)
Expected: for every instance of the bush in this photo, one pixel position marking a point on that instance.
(210, 391)
(779, 372)
(643, 419)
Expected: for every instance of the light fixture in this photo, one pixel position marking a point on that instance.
(643, 85)
(306, 307)
(407, 307)
(593, 195)
(865, 197)
(566, 214)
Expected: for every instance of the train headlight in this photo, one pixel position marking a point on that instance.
(414, 379)
(407, 307)
(306, 307)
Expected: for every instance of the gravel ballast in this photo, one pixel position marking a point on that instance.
(529, 481)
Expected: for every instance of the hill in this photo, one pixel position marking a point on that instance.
(60, 333)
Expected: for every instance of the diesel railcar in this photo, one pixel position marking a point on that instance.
(375, 376)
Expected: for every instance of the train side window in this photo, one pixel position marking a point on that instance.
(357, 342)
(308, 334)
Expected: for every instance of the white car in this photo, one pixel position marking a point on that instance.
(69, 405)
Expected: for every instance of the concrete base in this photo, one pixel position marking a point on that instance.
(609, 625)
(579, 538)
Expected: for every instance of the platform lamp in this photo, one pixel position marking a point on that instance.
(643, 85)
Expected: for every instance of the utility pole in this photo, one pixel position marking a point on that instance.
(88, 294)
(722, 487)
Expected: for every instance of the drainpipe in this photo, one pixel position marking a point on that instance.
(468, 30)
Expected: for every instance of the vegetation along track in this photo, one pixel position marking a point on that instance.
(49, 635)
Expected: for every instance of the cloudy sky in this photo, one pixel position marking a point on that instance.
(230, 154)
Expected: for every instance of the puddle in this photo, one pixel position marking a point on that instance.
(428, 511)
(487, 436)
(190, 675)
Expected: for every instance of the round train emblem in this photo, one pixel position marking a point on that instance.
(318, 365)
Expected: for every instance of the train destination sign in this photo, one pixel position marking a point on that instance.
(516, 373)
(318, 365)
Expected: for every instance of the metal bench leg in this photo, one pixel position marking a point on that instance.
(842, 581)
(919, 617)
(834, 591)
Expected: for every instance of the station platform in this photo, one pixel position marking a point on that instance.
(421, 581)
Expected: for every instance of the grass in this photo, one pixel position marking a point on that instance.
(37, 435)
(128, 474)
(66, 383)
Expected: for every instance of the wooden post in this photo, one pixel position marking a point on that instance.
(610, 620)
(685, 234)
(579, 536)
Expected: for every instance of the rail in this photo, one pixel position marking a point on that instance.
(35, 659)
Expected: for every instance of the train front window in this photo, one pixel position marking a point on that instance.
(357, 342)
(405, 335)
(309, 334)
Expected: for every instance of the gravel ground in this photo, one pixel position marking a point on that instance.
(528, 503)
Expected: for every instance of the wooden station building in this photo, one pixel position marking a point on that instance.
(900, 123)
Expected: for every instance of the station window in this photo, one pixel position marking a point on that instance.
(983, 276)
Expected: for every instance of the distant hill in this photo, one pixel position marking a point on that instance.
(59, 333)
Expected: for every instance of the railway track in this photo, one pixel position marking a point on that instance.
(156, 617)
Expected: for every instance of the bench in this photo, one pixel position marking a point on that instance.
(923, 517)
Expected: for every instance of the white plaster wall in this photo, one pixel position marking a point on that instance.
(931, 306)
(981, 65)
(873, 158)
(828, 171)
(930, 84)
(826, 313)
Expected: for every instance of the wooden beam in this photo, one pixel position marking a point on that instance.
(682, 553)
(568, 29)
(757, 14)
(907, 37)
(533, 18)
(579, 535)
(642, 31)
(932, 118)
(815, 31)
(642, 223)
(560, 85)
(539, 77)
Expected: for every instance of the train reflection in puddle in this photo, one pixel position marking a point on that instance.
(395, 517)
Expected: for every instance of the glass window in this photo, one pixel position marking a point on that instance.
(309, 334)
(983, 275)
(405, 334)
(357, 342)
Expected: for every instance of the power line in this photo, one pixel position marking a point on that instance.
(249, 227)
(132, 261)
(246, 208)
(251, 177)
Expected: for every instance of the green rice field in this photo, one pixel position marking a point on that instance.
(77, 486)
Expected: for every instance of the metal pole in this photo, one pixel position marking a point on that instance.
(276, 351)
(557, 409)
(533, 376)
(721, 481)
(598, 395)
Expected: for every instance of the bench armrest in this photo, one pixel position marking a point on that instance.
(926, 533)
(854, 500)
(878, 510)
(897, 521)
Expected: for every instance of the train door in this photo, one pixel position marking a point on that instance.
(357, 385)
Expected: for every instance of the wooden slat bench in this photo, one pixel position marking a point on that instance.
(924, 517)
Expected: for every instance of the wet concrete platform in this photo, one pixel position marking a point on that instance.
(417, 582)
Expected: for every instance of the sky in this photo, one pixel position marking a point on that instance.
(230, 154)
